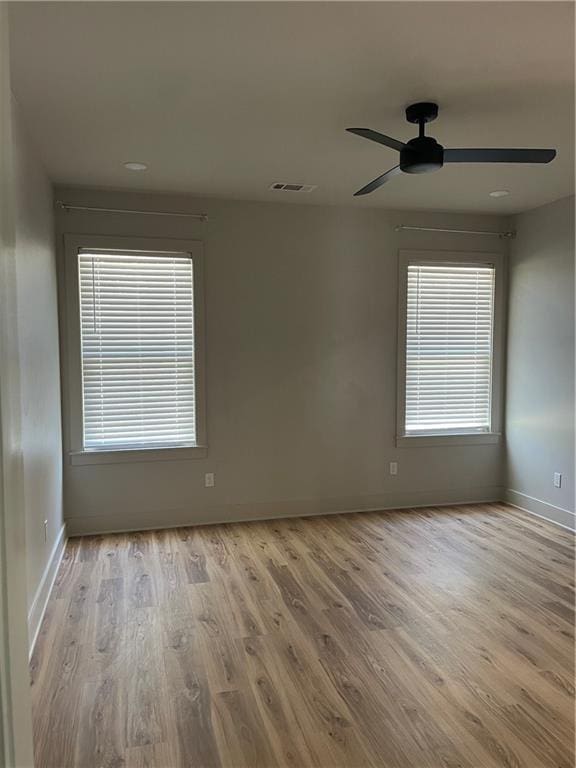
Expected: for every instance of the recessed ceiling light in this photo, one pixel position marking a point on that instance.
(136, 166)
(499, 193)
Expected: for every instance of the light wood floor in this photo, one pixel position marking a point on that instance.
(439, 638)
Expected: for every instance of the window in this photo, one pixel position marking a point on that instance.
(448, 346)
(138, 338)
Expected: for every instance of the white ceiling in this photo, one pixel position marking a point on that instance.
(226, 98)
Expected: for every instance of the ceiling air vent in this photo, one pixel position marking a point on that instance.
(280, 186)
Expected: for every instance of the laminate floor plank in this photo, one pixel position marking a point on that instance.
(424, 638)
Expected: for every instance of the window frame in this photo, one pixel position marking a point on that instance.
(73, 244)
(406, 257)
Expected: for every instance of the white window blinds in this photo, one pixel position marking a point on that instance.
(137, 337)
(449, 338)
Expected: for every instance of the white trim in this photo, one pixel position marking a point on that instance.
(246, 512)
(543, 509)
(141, 454)
(40, 601)
(465, 438)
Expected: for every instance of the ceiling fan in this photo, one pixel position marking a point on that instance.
(424, 154)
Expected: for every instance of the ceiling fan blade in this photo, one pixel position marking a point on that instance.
(499, 155)
(366, 133)
(379, 181)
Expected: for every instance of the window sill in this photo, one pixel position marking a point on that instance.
(473, 438)
(138, 455)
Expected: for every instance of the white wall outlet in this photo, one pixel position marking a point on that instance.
(557, 480)
(393, 467)
(209, 480)
(45, 531)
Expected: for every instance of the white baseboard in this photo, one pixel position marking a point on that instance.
(543, 509)
(229, 513)
(38, 607)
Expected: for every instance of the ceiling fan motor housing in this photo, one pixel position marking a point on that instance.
(422, 155)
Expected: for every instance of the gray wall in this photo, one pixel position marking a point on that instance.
(37, 304)
(301, 369)
(540, 369)
(15, 711)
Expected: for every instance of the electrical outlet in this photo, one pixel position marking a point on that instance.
(393, 467)
(557, 480)
(45, 531)
(209, 480)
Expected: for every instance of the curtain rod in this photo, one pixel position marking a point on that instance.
(510, 234)
(92, 208)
